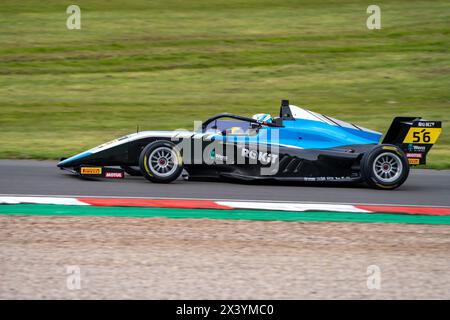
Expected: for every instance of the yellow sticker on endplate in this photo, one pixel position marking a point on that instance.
(91, 170)
(422, 135)
(413, 161)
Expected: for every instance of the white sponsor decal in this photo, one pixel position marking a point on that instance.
(113, 175)
(418, 148)
(426, 124)
(221, 157)
(263, 157)
(414, 155)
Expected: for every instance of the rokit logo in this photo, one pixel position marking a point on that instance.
(263, 157)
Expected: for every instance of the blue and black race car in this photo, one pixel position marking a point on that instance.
(297, 146)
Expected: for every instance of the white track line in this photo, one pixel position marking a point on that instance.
(291, 206)
(230, 204)
(228, 200)
(42, 200)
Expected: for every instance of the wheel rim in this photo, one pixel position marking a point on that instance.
(387, 167)
(163, 162)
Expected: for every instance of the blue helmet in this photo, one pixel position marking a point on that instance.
(263, 117)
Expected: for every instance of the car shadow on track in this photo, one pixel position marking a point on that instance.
(191, 181)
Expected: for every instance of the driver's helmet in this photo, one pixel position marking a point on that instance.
(263, 117)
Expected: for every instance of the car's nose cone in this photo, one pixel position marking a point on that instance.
(67, 162)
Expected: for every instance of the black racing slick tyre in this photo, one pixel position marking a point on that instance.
(161, 162)
(132, 171)
(385, 167)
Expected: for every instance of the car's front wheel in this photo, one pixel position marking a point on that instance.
(385, 167)
(161, 162)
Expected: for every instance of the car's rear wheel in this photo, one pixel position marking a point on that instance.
(161, 162)
(132, 171)
(385, 167)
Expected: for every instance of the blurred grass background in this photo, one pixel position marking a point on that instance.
(163, 64)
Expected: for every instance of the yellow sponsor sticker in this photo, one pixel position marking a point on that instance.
(422, 135)
(389, 148)
(91, 170)
(413, 161)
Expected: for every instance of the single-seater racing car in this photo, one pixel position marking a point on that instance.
(296, 146)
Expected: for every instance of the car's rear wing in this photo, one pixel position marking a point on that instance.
(414, 136)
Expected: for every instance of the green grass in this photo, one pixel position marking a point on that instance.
(163, 64)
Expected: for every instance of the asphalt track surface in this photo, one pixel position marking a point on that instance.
(27, 177)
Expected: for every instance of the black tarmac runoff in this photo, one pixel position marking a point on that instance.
(43, 178)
